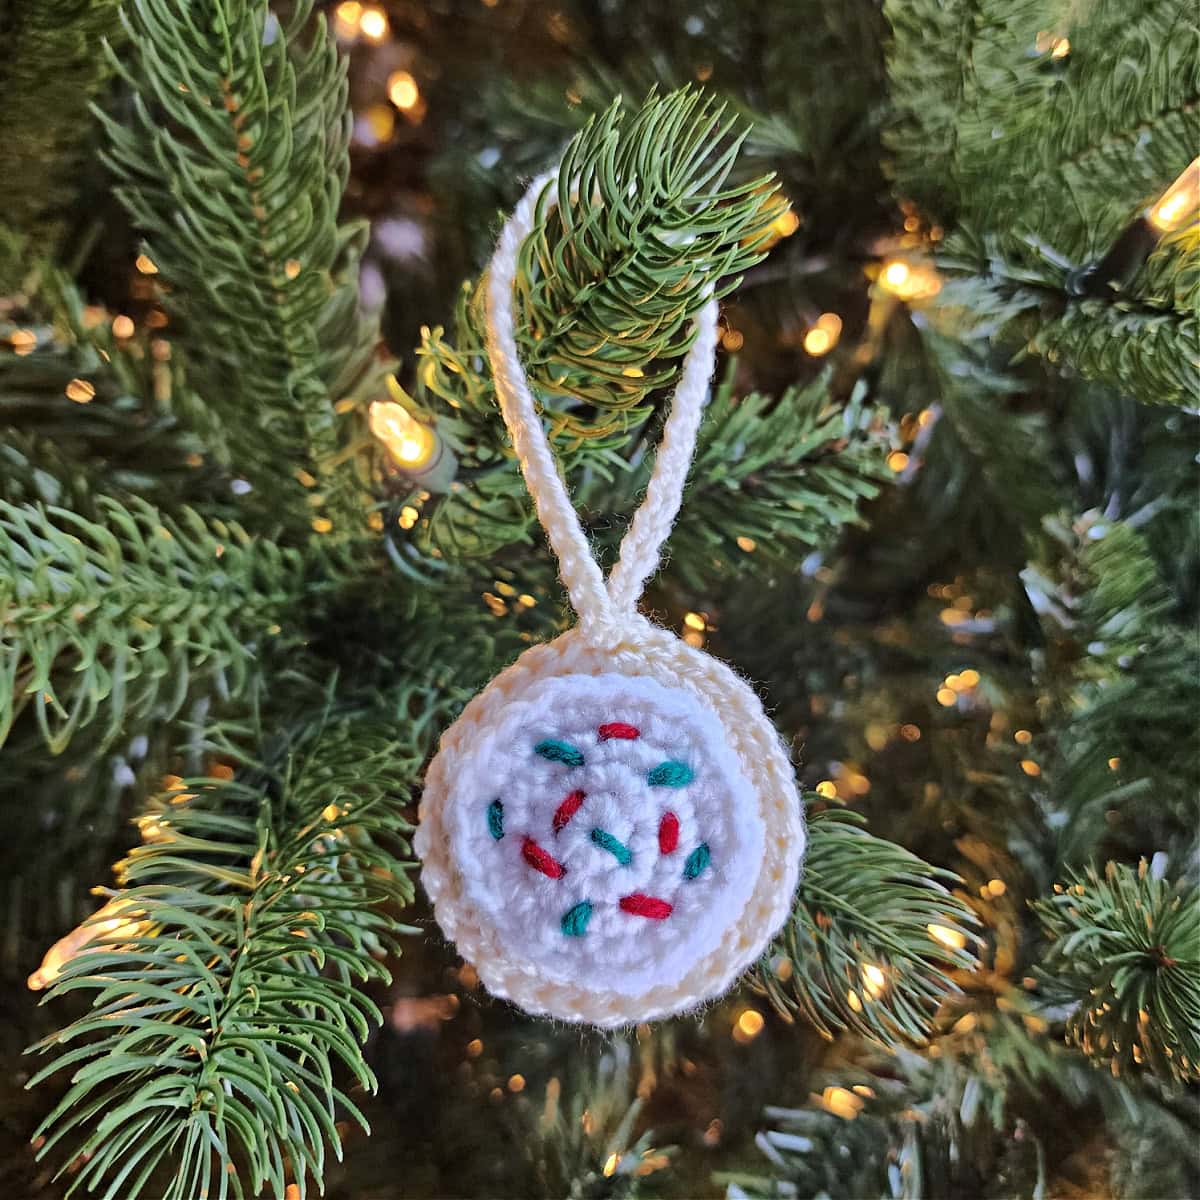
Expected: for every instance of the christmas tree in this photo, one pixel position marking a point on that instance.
(263, 535)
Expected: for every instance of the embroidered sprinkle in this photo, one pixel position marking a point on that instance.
(618, 729)
(495, 819)
(575, 920)
(668, 833)
(652, 907)
(618, 850)
(697, 861)
(562, 752)
(670, 774)
(566, 810)
(539, 860)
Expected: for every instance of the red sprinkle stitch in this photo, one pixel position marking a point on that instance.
(668, 833)
(566, 810)
(539, 860)
(646, 906)
(618, 729)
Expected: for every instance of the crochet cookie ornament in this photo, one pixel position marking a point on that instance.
(611, 831)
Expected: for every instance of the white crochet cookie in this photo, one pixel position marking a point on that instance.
(611, 831)
(612, 836)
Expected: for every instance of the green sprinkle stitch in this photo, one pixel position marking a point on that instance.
(697, 861)
(562, 752)
(575, 920)
(670, 774)
(618, 850)
(495, 818)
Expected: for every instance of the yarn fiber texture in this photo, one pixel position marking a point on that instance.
(611, 832)
(603, 977)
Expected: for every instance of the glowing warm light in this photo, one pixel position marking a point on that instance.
(321, 524)
(952, 939)
(1022, 737)
(897, 461)
(474, 1048)
(516, 1083)
(1054, 44)
(853, 1000)
(122, 327)
(694, 620)
(349, 13)
(909, 280)
(947, 697)
(1030, 767)
(1178, 202)
(111, 923)
(750, 1023)
(146, 265)
(402, 90)
(827, 788)
(1114, 764)
(611, 1164)
(410, 443)
(381, 122)
(23, 341)
(747, 544)
(969, 678)
(732, 340)
(997, 887)
(966, 1023)
(842, 1102)
(817, 342)
(408, 517)
(291, 268)
(80, 391)
(373, 23)
(874, 980)
(785, 224)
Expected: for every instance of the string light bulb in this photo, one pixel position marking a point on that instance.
(1179, 202)
(403, 91)
(373, 23)
(113, 922)
(909, 279)
(1176, 208)
(823, 336)
(413, 446)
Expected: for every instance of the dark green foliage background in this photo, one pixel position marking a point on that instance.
(226, 623)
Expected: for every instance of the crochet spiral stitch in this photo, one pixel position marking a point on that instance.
(611, 831)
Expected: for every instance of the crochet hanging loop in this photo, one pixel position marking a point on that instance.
(606, 611)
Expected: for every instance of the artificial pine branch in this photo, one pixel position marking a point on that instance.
(1113, 644)
(225, 975)
(233, 167)
(1018, 292)
(49, 73)
(611, 278)
(1124, 954)
(874, 937)
(775, 478)
(120, 620)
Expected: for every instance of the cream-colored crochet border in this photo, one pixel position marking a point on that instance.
(657, 653)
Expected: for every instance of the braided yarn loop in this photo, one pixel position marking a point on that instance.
(611, 831)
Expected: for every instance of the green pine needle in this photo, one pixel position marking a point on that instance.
(1125, 951)
(206, 1066)
(233, 166)
(120, 620)
(860, 942)
(610, 280)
